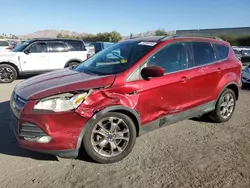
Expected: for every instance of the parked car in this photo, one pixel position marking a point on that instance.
(103, 104)
(95, 47)
(41, 55)
(245, 78)
(245, 56)
(5, 46)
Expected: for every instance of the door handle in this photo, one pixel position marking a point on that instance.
(219, 70)
(184, 79)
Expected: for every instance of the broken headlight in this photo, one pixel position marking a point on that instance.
(62, 102)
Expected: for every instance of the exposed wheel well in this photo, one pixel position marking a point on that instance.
(11, 64)
(235, 90)
(73, 60)
(132, 116)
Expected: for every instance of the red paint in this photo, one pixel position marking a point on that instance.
(160, 96)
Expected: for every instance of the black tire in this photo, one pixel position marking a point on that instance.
(73, 64)
(10, 70)
(244, 86)
(215, 115)
(93, 154)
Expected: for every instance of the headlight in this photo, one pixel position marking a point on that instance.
(62, 102)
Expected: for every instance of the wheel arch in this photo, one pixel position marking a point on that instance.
(233, 86)
(134, 115)
(11, 64)
(72, 60)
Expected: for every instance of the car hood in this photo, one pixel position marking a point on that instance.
(61, 81)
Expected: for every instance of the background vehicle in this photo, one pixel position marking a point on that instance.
(153, 82)
(41, 55)
(5, 46)
(95, 47)
(245, 56)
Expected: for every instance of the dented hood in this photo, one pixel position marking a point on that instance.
(61, 81)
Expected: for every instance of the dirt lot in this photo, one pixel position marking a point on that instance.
(187, 154)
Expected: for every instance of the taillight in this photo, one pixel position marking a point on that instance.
(9, 48)
(88, 56)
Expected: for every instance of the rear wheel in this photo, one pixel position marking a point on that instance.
(224, 107)
(110, 138)
(7, 73)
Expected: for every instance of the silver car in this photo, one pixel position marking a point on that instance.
(5, 46)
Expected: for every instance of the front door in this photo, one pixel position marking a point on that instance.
(36, 58)
(168, 94)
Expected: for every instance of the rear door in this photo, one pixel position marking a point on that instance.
(205, 74)
(58, 55)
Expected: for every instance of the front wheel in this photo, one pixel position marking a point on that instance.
(7, 73)
(110, 138)
(224, 107)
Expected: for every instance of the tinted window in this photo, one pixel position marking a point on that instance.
(98, 46)
(38, 48)
(222, 51)
(172, 58)
(57, 47)
(203, 53)
(78, 45)
(4, 43)
(107, 44)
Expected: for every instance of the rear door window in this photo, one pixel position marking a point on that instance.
(222, 51)
(77, 45)
(57, 47)
(203, 53)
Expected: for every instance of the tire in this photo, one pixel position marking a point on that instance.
(216, 115)
(73, 64)
(100, 152)
(7, 73)
(244, 86)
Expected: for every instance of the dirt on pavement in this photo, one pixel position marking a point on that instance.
(187, 154)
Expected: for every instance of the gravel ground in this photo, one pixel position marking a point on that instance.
(187, 154)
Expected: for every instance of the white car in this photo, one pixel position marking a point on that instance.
(41, 55)
(5, 46)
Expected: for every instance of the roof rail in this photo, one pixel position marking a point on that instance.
(190, 35)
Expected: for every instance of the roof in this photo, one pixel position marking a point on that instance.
(164, 38)
(55, 39)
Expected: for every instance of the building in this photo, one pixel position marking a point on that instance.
(237, 31)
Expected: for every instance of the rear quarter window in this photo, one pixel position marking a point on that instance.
(222, 51)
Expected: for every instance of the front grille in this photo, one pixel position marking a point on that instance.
(31, 131)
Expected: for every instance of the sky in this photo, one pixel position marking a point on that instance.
(124, 16)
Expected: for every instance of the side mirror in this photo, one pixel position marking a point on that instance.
(26, 52)
(153, 71)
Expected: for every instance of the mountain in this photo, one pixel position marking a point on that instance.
(49, 33)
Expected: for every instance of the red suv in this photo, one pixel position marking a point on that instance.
(130, 88)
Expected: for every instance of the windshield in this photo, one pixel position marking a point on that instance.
(21, 47)
(116, 58)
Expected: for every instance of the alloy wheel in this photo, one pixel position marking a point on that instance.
(110, 137)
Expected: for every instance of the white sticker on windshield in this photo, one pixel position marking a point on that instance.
(148, 43)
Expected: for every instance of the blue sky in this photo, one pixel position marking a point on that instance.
(124, 16)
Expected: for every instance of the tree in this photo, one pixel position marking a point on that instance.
(160, 32)
(60, 35)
